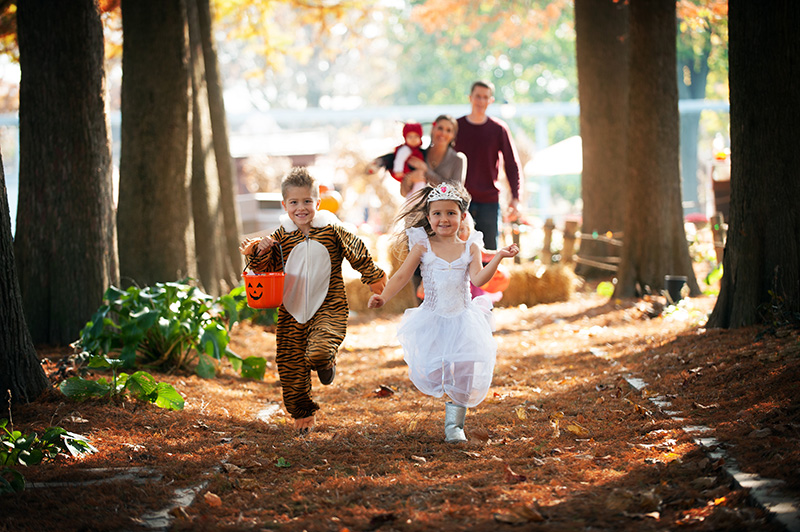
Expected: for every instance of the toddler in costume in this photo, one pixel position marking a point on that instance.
(447, 341)
(412, 134)
(312, 319)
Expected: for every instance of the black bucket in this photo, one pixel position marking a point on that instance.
(674, 284)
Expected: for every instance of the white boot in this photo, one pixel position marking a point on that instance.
(454, 422)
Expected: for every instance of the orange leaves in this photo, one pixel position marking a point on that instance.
(513, 21)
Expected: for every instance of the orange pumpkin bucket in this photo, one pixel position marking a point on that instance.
(264, 290)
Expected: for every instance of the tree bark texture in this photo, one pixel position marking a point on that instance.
(65, 240)
(213, 264)
(156, 230)
(761, 280)
(219, 127)
(655, 241)
(21, 374)
(602, 43)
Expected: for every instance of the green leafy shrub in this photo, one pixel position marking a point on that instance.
(141, 385)
(237, 309)
(167, 326)
(28, 449)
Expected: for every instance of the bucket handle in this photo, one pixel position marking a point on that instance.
(280, 248)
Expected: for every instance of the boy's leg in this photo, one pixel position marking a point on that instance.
(293, 368)
(324, 339)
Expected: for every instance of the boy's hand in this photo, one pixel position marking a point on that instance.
(252, 244)
(378, 286)
(265, 244)
(375, 301)
(510, 251)
(246, 247)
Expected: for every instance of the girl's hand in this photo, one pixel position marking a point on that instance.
(510, 251)
(375, 301)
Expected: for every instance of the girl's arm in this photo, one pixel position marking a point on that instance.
(399, 279)
(480, 275)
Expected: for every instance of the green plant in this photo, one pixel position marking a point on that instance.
(712, 280)
(141, 385)
(167, 326)
(28, 450)
(237, 309)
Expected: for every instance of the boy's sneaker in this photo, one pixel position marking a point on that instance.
(327, 375)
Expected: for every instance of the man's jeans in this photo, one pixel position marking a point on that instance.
(487, 221)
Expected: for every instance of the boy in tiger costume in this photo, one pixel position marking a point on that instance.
(312, 319)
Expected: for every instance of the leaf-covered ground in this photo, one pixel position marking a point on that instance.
(563, 442)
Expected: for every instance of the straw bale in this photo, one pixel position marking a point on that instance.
(532, 283)
(358, 294)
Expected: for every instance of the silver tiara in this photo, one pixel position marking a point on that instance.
(443, 192)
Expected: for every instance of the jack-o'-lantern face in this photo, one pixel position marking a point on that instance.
(255, 290)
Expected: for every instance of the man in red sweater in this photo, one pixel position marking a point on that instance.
(482, 139)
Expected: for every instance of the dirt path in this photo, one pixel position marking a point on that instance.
(563, 442)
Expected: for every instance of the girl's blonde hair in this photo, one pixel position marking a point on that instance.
(415, 213)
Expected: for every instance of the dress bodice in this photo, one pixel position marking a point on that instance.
(446, 283)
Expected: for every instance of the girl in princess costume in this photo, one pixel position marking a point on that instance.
(447, 341)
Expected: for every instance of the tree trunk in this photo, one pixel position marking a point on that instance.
(213, 265)
(602, 50)
(655, 241)
(21, 374)
(65, 239)
(761, 283)
(219, 127)
(156, 230)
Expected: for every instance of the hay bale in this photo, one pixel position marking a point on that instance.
(532, 283)
(358, 294)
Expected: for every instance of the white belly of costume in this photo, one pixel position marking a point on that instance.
(308, 273)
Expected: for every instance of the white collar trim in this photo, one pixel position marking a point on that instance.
(323, 218)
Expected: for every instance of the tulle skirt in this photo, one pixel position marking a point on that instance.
(453, 355)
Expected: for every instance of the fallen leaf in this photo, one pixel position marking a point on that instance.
(577, 430)
(384, 391)
(419, 459)
(230, 468)
(212, 499)
(512, 477)
(479, 434)
(520, 410)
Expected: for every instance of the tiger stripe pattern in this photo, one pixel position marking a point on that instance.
(313, 345)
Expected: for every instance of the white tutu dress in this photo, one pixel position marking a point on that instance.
(448, 340)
